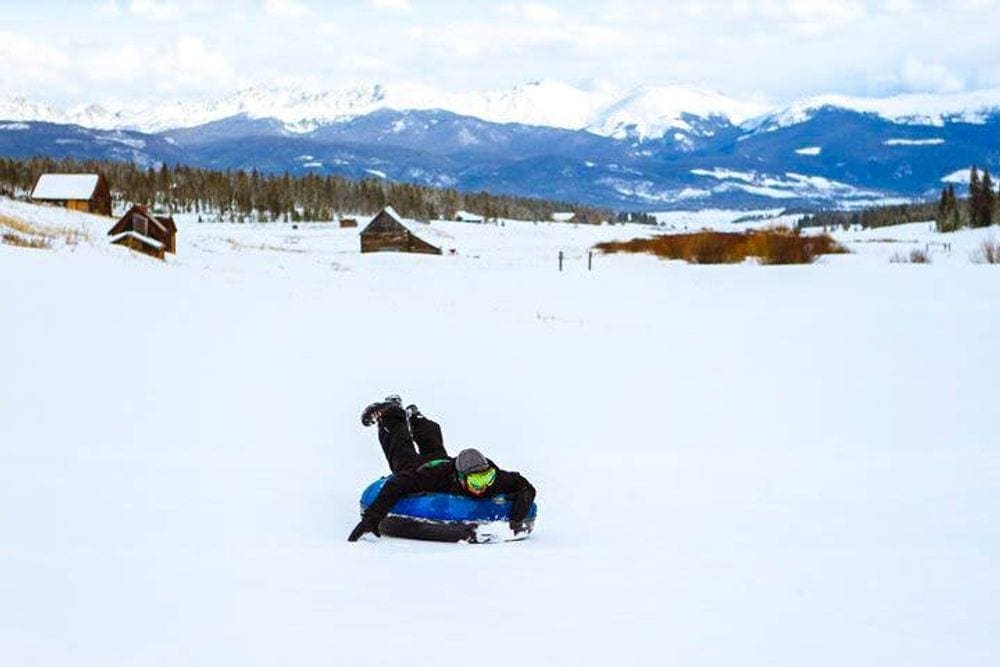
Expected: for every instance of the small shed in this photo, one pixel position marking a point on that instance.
(348, 223)
(390, 232)
(465, 216)
(88, 193)
(145, 232)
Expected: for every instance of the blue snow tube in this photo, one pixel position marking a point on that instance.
(442, 517)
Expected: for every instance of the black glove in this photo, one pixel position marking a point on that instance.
(366, 525)
(517, 527)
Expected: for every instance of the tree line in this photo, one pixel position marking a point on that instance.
(242, 196)
(980, 209)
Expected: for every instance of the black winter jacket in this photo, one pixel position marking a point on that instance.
(442, 478)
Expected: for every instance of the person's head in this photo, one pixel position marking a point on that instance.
(474, 471)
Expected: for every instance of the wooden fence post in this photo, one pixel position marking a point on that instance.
(560, 260)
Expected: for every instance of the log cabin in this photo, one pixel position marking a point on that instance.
(87, 193)
(145, 232)
(390, 232)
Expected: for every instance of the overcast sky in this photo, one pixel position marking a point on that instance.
(769, 50)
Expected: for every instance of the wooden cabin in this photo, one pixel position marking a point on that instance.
(145, 232)
(88, 193)
(390, 232)
(465, 216)
(348, 223)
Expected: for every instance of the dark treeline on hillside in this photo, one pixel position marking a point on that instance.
(241, 195)
(877, 216)
(980, 209)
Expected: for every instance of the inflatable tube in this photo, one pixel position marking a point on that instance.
(443, 517)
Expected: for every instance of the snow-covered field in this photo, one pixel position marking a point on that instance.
(736, 465)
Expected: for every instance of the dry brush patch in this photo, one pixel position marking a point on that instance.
(915, 257)
(36, 233)
(768, 246)
(987, 253)
(22, 234)
(14, 239)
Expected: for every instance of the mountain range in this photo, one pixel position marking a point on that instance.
(654, 148)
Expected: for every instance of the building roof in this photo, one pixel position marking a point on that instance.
(423, 230)
(563, 216)
(65, 187)
(465, 216)
(140, 237)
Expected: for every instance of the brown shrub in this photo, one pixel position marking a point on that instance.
(69, 235)
(988, 253)
(770, 246)
(915, 257)
(38, 242)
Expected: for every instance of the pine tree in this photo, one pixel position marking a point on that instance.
(987, 200)
(975, 197)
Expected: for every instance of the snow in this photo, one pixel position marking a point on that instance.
(65, 186)
(136, 235)
(958, 177)
(789, 185)
(811, 151)
(645, 112)
(466, 216)
(737, 465)
(910, 109)
(914, 142)
(652, 112)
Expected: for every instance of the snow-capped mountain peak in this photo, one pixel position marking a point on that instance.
(650, 112)
(645, 113)
(931, 109)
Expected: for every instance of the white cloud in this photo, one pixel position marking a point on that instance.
(534, 11)
(108, 8)
(401, 6)
(286, 8)
(24, 61)
(156, 10)
(919, 75)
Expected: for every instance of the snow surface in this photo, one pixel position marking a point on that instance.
(811, 151)
(915, 142)
(737, 465)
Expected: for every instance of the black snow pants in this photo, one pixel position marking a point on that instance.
(409, 443)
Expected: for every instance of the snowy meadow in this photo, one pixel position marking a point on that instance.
(736, 465)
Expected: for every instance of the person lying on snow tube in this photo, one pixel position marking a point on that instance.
(414, 448)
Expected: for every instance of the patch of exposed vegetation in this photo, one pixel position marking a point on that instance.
(916, 256)
(987, 253)
(769, 246)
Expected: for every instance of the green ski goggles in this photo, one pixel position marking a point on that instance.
(480, 481)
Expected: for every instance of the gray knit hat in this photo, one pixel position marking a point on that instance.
(470, 461)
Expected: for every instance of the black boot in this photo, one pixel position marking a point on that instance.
(373, 412)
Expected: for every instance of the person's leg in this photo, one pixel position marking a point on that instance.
(397, 444)
(427, 434)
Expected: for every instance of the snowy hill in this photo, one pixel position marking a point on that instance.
(736, 464)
